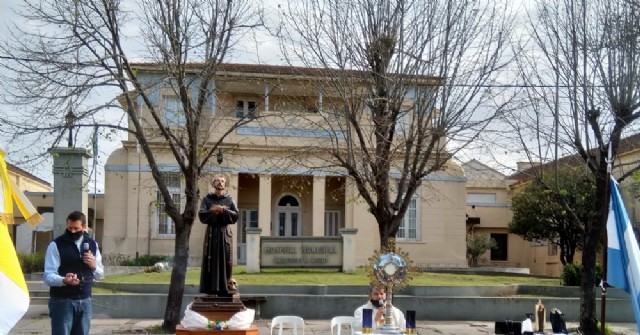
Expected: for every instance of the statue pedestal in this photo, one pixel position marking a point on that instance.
(218, 309)
(253, 330)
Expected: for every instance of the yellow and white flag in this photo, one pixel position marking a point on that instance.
(13, 288)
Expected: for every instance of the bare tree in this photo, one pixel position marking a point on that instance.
(582, 78)
(404, 85)
(72, 51)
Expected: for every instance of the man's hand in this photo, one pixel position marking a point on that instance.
(89, 259)
(71, 279)
(379, 318)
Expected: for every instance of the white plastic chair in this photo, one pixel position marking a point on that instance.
(294, 322)
(339, 321)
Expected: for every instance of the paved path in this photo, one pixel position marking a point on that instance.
(36, 321)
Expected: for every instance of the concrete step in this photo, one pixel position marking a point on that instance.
(39, 300)
(37, 285)
(39, 293)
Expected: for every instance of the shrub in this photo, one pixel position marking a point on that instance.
(114, 259)
(31, 263)
(478, 244)
(572, 274)
(607, 329)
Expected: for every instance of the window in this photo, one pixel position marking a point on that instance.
(173, 112)
(500, 252)
(402, 124)
(166, 226)
(552, 249)
(408, 230)
(248, 219)
(245, 108)
(481, 198)
(331, 223)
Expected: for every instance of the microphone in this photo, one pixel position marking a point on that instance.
(85, 247)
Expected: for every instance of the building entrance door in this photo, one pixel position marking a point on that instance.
(288, 221)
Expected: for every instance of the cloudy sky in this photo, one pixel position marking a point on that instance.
(259, 48)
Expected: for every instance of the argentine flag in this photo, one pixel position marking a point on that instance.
(623, 256)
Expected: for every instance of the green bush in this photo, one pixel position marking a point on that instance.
(114, 259)
(478, 244)
(607, 329)
(572, 274)
(31, 263)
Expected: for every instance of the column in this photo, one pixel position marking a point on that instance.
(70, 181)
(267, 91)
(264, 204)
(348, 249)
(318, 205)
(253, 249)
(232, 190)
(349, 220)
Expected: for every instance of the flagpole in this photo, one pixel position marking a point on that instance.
(603, 282)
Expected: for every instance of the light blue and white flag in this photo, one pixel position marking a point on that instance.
(623, 255)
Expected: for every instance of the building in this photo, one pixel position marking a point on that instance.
(40, 194)
(272, 191)
(488, 201)
(23, 236)
(489, 212)
(26, 181)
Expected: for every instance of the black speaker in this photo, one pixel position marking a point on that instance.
(508, 327)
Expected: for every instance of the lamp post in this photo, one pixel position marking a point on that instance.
(219, 157)
(70, 118)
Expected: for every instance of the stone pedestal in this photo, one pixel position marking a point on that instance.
(70, 181)
(218, 309)
(253, 249)
(349, 251)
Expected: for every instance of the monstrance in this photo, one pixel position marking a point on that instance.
(390, 270)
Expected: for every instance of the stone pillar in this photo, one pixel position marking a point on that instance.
(232, 190)
(349, 204)
(264, 204)
(348, 249)
(70, 185)
(253, 249)
(318, 206)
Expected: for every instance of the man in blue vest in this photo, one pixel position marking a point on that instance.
(71, 264)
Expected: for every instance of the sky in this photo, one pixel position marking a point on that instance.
(259, 48)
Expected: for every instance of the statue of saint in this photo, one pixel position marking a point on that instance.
(539, 317)
(217, 210)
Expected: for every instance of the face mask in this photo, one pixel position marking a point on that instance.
(377, 303)
(74, 236)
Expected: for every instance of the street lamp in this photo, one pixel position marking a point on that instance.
(219, 157)
(70, 118)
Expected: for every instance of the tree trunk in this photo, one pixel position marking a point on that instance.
(592, 238)
(388, 229)
(178, 276)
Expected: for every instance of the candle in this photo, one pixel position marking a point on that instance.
(411, 322)
(367, 321)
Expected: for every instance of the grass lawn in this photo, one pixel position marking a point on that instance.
(303, 276)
